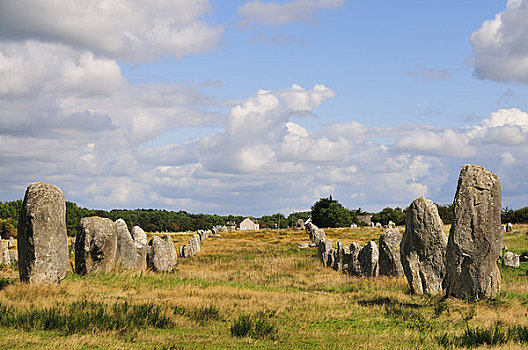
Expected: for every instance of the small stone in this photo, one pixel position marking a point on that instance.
(510, 259)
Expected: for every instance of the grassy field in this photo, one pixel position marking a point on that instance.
(257, 290)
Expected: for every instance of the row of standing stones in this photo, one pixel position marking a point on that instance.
(101, 245)
(464, 266)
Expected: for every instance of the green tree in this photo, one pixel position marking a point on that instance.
(395, 215)
(328, 212)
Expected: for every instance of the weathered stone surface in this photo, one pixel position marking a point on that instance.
(389, 253)
(299, 225)
(14, 255)
(354, 267)
(510, 259)
(141, 245)
(95, 245)
(324, 251)
(391, 224)
(11, 243)
(423, 247)
(475, 240)
(42, 240)
(316, 234)
(509, 227)
(161, 254)
(6, 257)
(304, 245)
(126, 249)
(341, 257)
(368, 259)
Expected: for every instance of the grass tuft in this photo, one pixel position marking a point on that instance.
(256, 326)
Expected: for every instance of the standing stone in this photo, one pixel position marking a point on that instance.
(324, 251)
(14, 255)
(354, 267)
(510, 259)
(6, 257)
(194, 243)
(475, 240)
(509, 227)
(389, 253)
(126, 249)
(11, 243)
(42, 240)
(141, 244)
(171, 251)
(95, 245)
(161, 254)
(391, 224)
(368, 259)
(316, 234)
(341, 257)
(423, 247)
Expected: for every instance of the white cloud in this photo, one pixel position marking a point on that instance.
(137, 31)
(499, 45)
(446, 143)
(274, 13)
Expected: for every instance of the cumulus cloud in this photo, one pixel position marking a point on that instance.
(499, 45)
(136, 31)
(274, 13)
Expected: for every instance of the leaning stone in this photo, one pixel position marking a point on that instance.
(354, 267)
(510, 259)
(389, 253)
(423, 247)
(42, 240)
(141, 245)
(160, 255)
(95, 245)
(126, 249)
(475, 240)
(316, 234)
(368, 259)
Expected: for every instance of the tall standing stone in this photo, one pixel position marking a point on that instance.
(423, 247)
(368, 259)
(141, 244)
(389, 253)
(95, 245)
(42, 239)
(475, 240)
(126, 249)
(325, 251)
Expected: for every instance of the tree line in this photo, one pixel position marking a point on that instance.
(326, 212)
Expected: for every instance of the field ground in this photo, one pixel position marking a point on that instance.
(276, 287)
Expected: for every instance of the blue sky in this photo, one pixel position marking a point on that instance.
(254, 107)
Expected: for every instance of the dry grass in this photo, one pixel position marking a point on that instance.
(265, 273)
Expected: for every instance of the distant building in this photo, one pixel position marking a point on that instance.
(366, 219)
(249, 224)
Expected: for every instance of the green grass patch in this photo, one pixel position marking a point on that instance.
(85, 316)
(257, 326)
